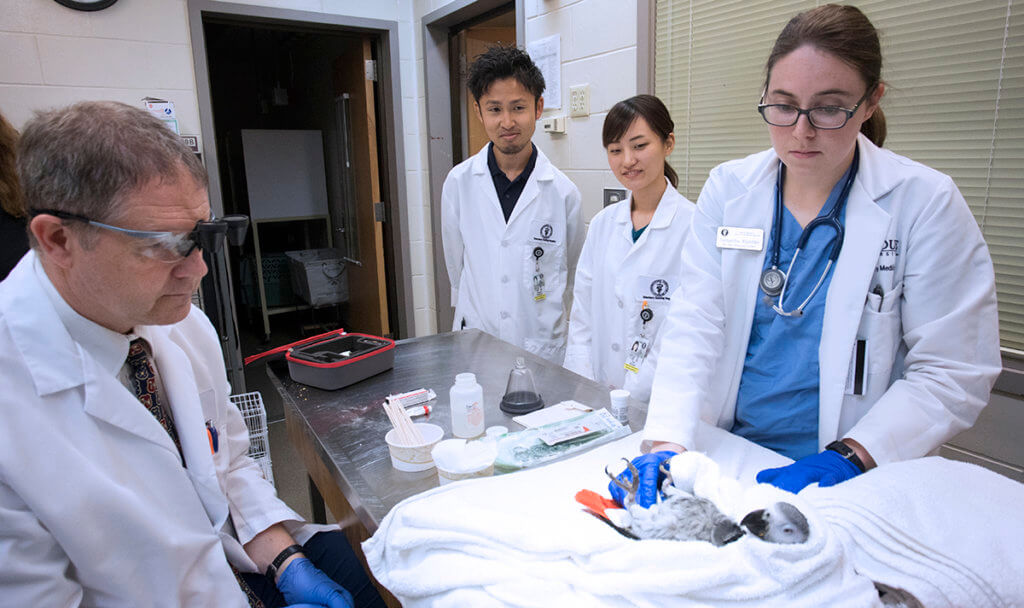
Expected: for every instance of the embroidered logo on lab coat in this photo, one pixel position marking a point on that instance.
(653, 288)
(544, 232)
(890, 249)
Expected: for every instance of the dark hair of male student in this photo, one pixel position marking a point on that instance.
(501, 62)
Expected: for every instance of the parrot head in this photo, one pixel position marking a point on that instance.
(780, 523)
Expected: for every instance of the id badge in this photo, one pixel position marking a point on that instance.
(636, 354)
(734, 237)
(538, 276)
(538, 287)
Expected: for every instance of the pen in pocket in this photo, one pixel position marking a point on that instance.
(881, 296)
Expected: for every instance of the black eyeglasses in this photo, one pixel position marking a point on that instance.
(172, 247)
(821, 117)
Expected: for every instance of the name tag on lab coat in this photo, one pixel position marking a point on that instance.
(731, 237)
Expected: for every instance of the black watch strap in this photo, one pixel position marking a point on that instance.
(846, 452)
(283, 555)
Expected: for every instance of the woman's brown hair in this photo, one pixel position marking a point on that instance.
(843, 31)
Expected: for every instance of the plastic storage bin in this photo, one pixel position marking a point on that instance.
(319, 276)
(277, 284)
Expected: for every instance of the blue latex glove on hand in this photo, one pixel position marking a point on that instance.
(827, 469)
(303, 584)
(647, 466)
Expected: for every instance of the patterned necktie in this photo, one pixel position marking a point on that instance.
(143, 381)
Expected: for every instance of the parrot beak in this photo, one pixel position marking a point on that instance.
(756, 523)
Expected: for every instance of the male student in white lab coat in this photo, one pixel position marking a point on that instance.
(510, 220)
(124, 479)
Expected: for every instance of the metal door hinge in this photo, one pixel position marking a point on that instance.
(371, 70)
(378, 212)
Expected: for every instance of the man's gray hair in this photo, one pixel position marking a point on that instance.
(88, 157)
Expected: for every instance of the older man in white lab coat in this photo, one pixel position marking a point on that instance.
(511, 224)
(124, 479)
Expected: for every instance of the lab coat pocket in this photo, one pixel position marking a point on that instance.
(880, 330)
(544, 271)
(550, 349)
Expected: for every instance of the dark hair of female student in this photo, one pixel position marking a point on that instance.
(653, 111)
(843, 31)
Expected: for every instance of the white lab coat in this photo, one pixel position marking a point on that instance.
(96, 508)
(932, 338)
(491, 264)
(614, 278)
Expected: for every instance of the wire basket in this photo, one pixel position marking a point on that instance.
(255, 416)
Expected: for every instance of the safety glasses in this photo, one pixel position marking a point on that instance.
(172, 247)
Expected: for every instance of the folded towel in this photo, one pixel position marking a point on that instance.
(522, 540)
(949, 533)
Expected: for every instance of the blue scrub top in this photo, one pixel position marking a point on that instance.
(638, 232)
(777, 403)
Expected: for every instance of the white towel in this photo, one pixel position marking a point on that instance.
(522, 540)
(950, 533)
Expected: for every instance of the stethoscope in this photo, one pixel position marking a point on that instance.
(773, 281)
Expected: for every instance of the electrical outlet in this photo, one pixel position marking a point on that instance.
(613, 195)
(579, 100)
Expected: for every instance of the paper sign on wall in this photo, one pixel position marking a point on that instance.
(546, 53)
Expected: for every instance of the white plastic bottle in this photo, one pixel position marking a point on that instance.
(467, 401)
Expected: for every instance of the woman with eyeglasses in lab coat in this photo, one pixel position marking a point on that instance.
(629, 266)
(879, 340)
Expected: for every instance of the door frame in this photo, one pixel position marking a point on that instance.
(437, 26)
(390, 131)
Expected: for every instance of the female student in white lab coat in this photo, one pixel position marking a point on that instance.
(629, 266)
(858, 351)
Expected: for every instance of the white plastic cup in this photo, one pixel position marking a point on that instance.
(620, 404)
(414, 457)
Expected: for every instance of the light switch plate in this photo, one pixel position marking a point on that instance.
(579, 100)
(553, 124)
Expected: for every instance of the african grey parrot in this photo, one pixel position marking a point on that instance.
(683, 516)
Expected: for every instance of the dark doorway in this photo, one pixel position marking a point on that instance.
(295, 117)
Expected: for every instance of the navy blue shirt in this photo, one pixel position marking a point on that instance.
(509, 191)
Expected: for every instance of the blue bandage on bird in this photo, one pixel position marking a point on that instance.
(650, 477)
(826, 469)
(304, 584)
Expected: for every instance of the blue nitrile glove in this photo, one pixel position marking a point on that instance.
(650, 479)
(827, 469)
(302, 583)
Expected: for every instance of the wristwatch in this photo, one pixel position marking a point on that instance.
(846, 452)
(283, 555)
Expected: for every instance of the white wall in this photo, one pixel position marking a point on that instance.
(53, 56)
(598, 48)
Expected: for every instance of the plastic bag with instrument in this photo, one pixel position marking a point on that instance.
(538, 445)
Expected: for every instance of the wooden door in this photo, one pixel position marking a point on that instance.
(472, 42)
(368, 309)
